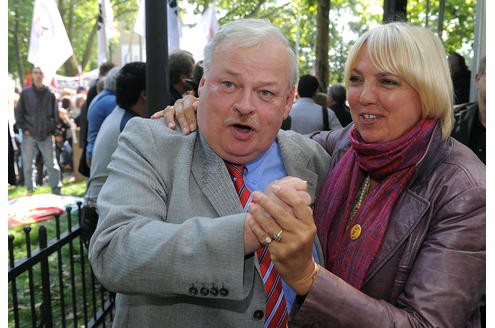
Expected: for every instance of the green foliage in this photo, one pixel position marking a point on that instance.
(297, 19)
(458, 23)
(77, 189)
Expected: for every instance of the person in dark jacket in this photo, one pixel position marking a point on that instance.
(37, 115)
(470, 119)
(461, 77)
(336, 97)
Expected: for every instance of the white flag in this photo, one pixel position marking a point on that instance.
(49, 45)
(105, 29)
(195, 39)
(209, 23)
(140, 23)
(173, 23)
(173, 26)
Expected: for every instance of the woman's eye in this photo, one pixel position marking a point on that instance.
(355, 79)
(389, 82)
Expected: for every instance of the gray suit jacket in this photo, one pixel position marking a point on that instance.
(170, 236)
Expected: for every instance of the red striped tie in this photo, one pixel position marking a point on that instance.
(276, 308)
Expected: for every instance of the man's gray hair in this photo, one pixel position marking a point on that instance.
(246, 33)
(110, 80)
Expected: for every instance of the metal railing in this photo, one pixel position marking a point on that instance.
(54, 286)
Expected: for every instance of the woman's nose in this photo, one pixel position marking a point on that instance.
(368, 93)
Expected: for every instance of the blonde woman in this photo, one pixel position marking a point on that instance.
(401, 215)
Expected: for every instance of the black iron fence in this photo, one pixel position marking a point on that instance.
(53, 285)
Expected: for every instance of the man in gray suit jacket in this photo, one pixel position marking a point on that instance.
(172, 239)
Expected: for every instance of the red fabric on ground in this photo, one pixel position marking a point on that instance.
(36, 208)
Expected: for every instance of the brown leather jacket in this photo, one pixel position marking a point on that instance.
(430, 269)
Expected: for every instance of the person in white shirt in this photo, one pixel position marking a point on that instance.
(306, 115)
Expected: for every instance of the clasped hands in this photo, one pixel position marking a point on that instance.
(285, 207)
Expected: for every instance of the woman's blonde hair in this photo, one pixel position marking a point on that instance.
(417, 56)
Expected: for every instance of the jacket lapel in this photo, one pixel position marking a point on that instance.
(296, 160)
(214, 180)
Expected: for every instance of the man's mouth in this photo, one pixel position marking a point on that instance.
(243, 127)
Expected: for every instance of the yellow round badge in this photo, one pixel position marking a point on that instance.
(355, 231)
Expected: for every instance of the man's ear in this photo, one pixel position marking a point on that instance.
(201, 85)
(289, 101)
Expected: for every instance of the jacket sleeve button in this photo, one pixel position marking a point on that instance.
(258, 315)
(214, 291)
(204, 291)
(224, 292)
(193, 291)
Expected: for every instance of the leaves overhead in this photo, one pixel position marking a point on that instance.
(297, 19)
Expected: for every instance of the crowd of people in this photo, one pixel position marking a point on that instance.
(258, 200)
(64, 112)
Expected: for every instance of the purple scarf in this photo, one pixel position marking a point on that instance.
(392, 164)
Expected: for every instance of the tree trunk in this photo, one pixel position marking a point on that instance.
(394, 10)
(20, 66)
(89, 46)
(441, 14)
(70, 65)
(322, 43)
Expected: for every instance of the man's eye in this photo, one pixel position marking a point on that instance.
(228, 84)
(266, 95)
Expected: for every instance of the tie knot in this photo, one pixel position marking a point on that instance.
(235, 170)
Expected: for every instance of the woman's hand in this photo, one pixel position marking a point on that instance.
(251, 240)
(283, 215)
(184, 111)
